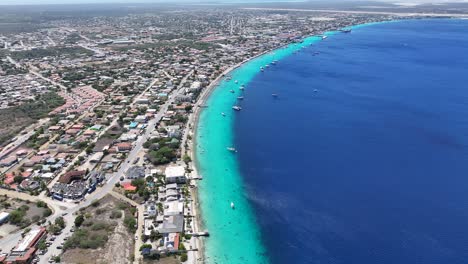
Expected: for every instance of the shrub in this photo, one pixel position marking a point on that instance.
(183, 257)
(145, 246)
(46, 212)
(79, 220)
(115, 214)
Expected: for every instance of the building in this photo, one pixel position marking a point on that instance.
(135, 172)
(4, 217)
(173, 208)
(73, 191)
(8, 161)
(72, 176)
(26, 248)
(172, 224)
(123, 147)
(175, 174)
(141, 119)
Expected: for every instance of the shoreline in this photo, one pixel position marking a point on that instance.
(206, 94)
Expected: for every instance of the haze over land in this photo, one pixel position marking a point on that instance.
(39, 2)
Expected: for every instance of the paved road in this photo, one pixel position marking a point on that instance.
(22, 138)
(68, 211)
(115, 177)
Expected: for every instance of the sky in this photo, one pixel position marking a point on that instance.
(23, 2)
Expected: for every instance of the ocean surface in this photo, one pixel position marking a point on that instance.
(362, 157)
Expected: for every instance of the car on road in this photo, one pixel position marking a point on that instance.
(136, 237)
(59, 247)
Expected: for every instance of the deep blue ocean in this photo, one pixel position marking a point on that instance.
(372, 167)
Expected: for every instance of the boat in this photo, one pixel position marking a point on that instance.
(237, 108)
(241, 88)
(315, 90)
(262, 69)
(274, 62)
(345, 30)
(232, 205)
(232, 91)
(267, 66)
(236, 81)
(223, 114)
(240, 98)
(316, 53)
(274, 95)
(324, 37)
(231, 149)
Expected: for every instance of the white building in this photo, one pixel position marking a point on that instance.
(175, 174)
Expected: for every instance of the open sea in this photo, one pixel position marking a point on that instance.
(362, 157)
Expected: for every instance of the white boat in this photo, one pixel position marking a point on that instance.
(237, 108)
(236, 81)
(232, 91)
(223, 114)
(232, 205)
(231, 149)
(315, 90)
(241, 88)
(240, 98)
(274, 95)
(324, 37)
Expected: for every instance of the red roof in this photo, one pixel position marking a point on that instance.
(26, 174)
(129, 187)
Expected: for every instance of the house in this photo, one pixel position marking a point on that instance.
(141, 119)
(175, 174)
(173, 208)
(123, 147)
(72, 176)
(135, 172)
(8, 161)
(127, 186)
(72, 132)
(172, 224)
(54, 128)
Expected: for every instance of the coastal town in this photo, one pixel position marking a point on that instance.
(99, 115)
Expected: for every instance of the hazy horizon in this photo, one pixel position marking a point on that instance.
(61, 2)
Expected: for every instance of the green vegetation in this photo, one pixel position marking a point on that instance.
(10, 69)
(17, 217)
(162, 150)
(79, 220)
(145, 246)
(183, 257)
(84, 238)
(131, 223)
(116, 214)
(50, 52)
(18, 117)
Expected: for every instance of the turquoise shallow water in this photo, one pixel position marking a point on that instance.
(234, 234)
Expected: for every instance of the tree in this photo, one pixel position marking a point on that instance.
(59, 221)
(145, 246)
(79, 220)
(187, 158)
(183, 257)
(18, 179)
